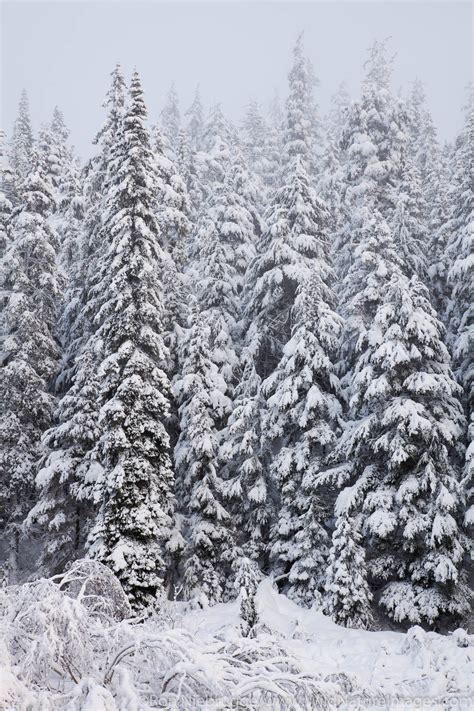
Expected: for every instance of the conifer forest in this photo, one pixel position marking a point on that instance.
(237, 402)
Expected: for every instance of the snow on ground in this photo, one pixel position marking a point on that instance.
(69, 643)
(391, 666)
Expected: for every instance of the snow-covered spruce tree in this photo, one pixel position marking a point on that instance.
(373, 263)
(226, 240)
(408, 223)
(211, 166)
(188, 168)
(274, 144)
(460, 257)
(173, 211)
(257, 144)
(57, 157)
(5, 215)
(200, 390)
(301, 117)
(439, 231)
(195, 123)
(304, 418)
(31, 284)
(250, 192)
(424, 146)
(71, 227)
(80, 312)
(398, 459)
(331, 183)
(295, 218)
(134, 490)
(7, 186)
(248, 577)
(171, 123)
(173, 206)
(68, 470)
(77, 320)
(21, 149)
(247, 484)
(347, 594)
(372, 140)
(286, 254)
(218, 128)
(63, 509)
(232, 212)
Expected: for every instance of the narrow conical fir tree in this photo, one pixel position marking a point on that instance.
(255, 142)
(373, 263)
(347, 594)
(187, 167)
(440, 229)
(246, 582)
(247, 487)
(304, 419)
(399, 459)
(32, 285)
(21, 150)
(195, 123)
(287, 251)
(373, 137)
(171, 123)
(409, 223)
(64, 510)
(460, 311)
(5, 223)
(134, 491)
(200, 390)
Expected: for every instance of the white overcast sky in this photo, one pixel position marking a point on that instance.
(63, 52)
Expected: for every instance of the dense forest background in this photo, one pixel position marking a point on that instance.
(230, 351)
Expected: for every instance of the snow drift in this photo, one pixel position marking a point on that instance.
(70, 642)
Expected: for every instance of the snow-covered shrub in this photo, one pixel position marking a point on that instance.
(246, 582)
(69, 644)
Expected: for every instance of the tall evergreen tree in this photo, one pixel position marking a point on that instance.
(32, 283)
(439, 226)
(52, 142)
(64, 509)
(247, 484)
(398, 458)
(173, 205)
(274, 144)
(331, 183)
(171, 123)
(6, 196)
(135, 488)
(188, 168)
(287, 252)
(372, 140)
(254, 139)
(21, 151)
(409, 224)
(459, 255)
(374, 261)
(200, 390)
(304, 418)
(195, 123)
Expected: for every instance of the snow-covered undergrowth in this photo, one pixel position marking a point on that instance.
(70, 643)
